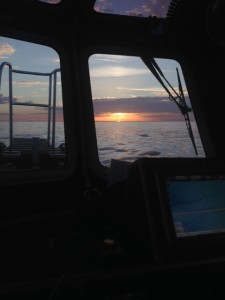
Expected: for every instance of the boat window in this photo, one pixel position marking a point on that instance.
(31, 107)
(50, 1)
(134, 116)
(138, 8)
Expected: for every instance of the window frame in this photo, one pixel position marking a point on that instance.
(45, 175)
(92, 151)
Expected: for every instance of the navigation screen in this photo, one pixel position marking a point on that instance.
(197, 204)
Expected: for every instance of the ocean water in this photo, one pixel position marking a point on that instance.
(131, 140)
(122, 140)
(31, 129)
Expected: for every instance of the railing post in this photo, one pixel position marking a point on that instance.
(10, 99)
(54, 107)
(49, 107)
(10, 108)
(51, 102)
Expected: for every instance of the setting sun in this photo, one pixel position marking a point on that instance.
(118, 117)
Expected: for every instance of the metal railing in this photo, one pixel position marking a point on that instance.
(51, 105)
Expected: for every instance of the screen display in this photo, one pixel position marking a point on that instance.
(197, 204)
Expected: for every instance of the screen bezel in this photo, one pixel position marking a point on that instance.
(200, 183)
(169, 246)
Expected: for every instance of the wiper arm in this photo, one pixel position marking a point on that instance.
(179, 98)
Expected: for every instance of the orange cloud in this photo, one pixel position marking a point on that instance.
(6, 50)
(30, 83)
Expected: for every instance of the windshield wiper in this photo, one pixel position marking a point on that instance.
(179, 98)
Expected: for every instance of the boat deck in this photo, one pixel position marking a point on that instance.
(33, 150)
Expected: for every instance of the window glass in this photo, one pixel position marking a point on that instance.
(139, 8)
(134, 115)
(31, 107)
(50, 1)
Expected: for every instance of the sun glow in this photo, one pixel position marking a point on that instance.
(118, 117)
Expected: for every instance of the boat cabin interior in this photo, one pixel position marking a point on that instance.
(112, 169)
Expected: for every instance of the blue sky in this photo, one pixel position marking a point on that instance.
(28, 56)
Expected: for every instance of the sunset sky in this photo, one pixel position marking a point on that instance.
(27, 88)
(123, 88)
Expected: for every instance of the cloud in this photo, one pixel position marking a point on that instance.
(117, 71)
(103, 6)
(58, 109)
(111, 58)
(160, 92)
(6, 50)
(51, 1)
(54, 1)
(154, 91)
(5, 100)
(135, 105)
(30, 83)
(32, 114)
(145, 8)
